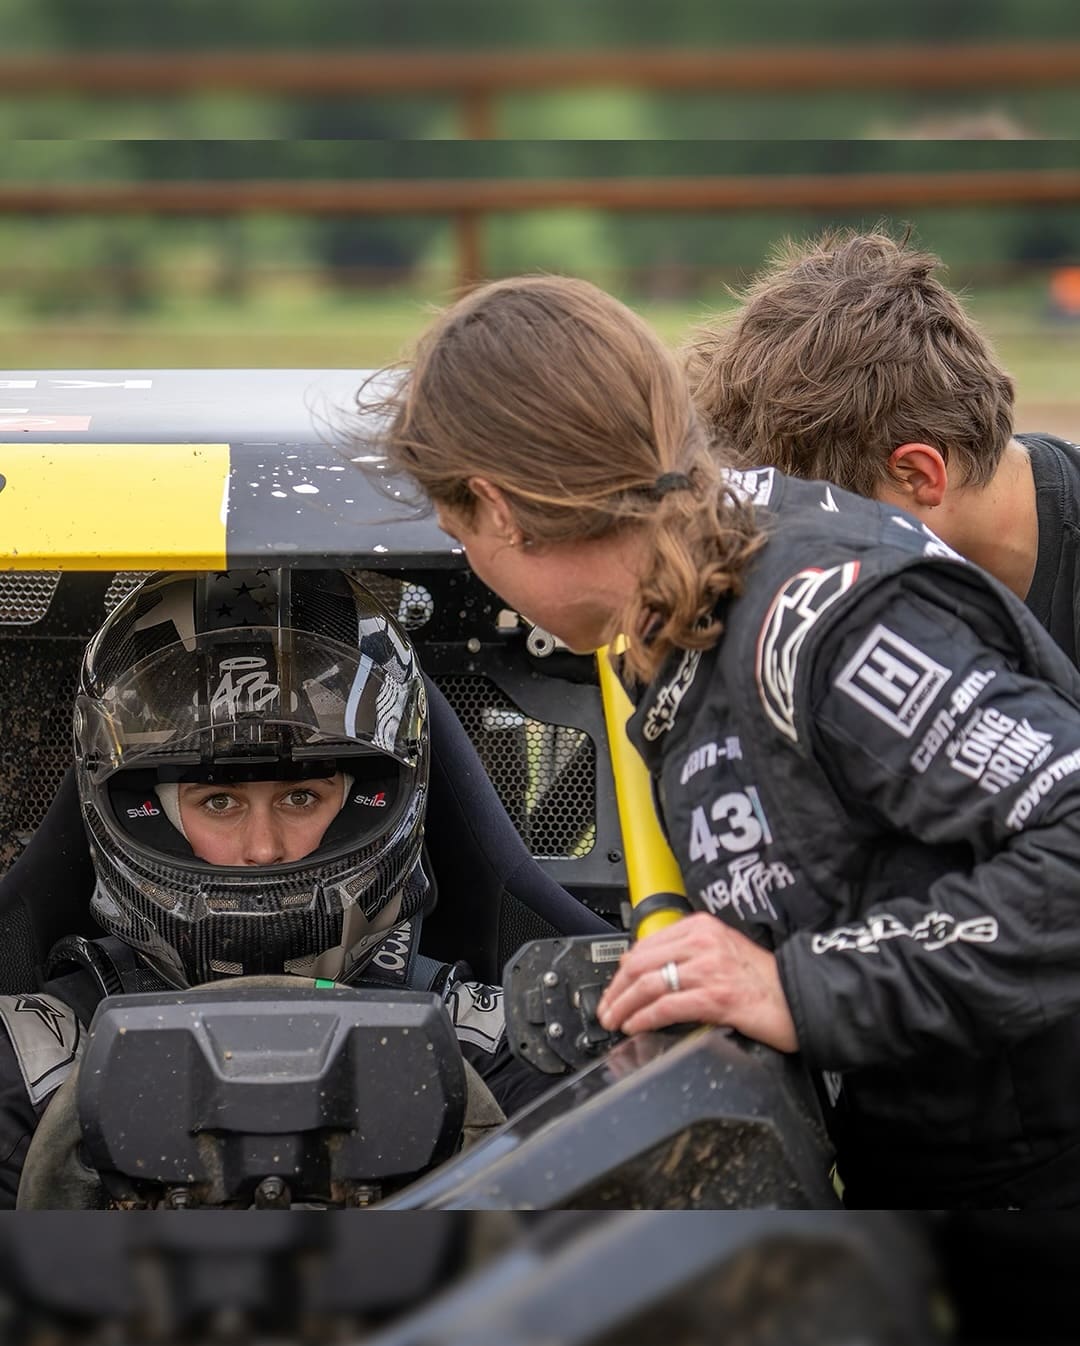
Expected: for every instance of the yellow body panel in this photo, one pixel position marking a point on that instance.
(113, 506)
(650, 865)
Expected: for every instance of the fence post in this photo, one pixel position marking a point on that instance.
(476, 115)
(470, 249)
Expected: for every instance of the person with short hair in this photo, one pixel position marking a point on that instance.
(850, 361)
(252, 761)
(865, 752)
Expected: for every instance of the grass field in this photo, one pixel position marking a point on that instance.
(312, 329)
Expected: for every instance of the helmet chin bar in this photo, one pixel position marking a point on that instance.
(359, 940)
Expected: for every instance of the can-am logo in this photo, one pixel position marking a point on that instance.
(245, 686)
(145, 810)
(376, 801)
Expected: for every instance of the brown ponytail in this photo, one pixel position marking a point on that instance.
(567, 401)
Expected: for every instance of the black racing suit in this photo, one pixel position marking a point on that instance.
(872, 775)
(42, 1035)
(1054, 595)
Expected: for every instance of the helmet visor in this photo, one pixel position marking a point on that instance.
(246, 696)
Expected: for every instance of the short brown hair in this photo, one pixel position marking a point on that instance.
(844, 349)
(572, 406)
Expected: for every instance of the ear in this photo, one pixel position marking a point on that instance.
(493, 508)
(919, 471)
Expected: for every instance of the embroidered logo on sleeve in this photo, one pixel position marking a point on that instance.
(1040, 787)
(893, 680)
(792, 613)
(47, 1040)
(934, 931)
(661, 714)
(754, 484)
(477, 1012)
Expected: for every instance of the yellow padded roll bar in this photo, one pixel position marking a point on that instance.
(651, 868)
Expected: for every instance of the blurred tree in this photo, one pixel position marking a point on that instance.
(338, 25)
(664, 254)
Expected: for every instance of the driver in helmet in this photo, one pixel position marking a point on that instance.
(252, 765)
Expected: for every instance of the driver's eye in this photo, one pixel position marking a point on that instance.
(298, 798)
(217, 803)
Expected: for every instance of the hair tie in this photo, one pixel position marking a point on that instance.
(668, 482)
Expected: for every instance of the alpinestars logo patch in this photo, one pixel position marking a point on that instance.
(797, 606)
(669, 697)
(49, 1015)
(477, 1012)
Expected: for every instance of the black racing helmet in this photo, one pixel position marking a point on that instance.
(253, 675)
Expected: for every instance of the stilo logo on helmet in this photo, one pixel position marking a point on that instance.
(145, 810)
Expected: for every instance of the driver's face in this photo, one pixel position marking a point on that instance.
(265, 822)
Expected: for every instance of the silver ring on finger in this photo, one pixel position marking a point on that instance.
(670, 974)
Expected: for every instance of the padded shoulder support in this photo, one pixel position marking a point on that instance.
(47, 1038)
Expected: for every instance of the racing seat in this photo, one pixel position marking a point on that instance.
(46, 892)
(493, 895)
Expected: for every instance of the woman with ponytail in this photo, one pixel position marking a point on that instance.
(866, 753)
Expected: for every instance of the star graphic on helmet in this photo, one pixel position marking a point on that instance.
(242, 589)
(50, 1016)
(225, 610)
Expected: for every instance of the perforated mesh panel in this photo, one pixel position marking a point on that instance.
(545, 774)
(121, 585)
(35, 734)
(25, 595)
(409, 602)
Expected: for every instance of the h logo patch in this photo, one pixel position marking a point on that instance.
(893, 680)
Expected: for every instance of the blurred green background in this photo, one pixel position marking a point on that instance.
(339, 25)
(289, 290)
(281, 290)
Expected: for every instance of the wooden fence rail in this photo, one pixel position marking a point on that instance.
(476, 77)
(336, 73)
(443, 196)
(466, 200)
